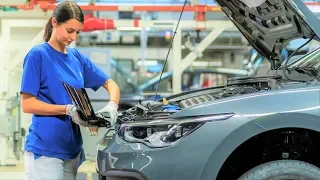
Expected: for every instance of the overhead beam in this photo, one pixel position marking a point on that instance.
(12, 23)
(164, 24)
(34, 14)
(50, 5)
(6, 2)
(146, 7)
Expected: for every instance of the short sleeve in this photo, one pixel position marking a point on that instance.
(94, 77)
(31, 78)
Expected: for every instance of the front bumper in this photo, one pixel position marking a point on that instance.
(185, 160)
(122, 174)
(121, 159)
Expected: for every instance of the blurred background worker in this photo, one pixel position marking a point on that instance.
(53, 147)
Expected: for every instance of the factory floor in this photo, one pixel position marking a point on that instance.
(15, 171)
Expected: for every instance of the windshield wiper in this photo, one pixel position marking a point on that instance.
(311, 71)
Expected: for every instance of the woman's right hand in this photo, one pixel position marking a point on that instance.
(72, 111)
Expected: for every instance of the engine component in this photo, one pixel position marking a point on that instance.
(171, 108)
(240, 90)
(196, 100)
(228, 92)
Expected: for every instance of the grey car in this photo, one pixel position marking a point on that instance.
(264, 127)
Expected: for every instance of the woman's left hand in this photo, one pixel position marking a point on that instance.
(112, 109)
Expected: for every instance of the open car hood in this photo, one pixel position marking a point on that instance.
(271, 25)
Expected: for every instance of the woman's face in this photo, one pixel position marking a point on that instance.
(66, 32)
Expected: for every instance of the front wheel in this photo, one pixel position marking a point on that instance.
(283, 170)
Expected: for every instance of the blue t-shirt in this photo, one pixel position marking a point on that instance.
(56, 136)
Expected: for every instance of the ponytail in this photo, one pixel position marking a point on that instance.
(48, 30)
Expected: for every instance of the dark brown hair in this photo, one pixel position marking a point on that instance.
(63, 12)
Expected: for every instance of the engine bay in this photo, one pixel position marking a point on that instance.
(157, 110)
(226, 92)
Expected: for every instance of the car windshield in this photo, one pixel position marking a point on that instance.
(311, 59)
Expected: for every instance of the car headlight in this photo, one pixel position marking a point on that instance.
(162, 133)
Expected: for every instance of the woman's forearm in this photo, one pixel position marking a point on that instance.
(113, 90)
(32, 105)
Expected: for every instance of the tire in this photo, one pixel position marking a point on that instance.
(283, 170)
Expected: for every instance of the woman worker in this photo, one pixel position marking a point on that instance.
(54, 144)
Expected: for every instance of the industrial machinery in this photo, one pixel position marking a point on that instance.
(11, 132)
